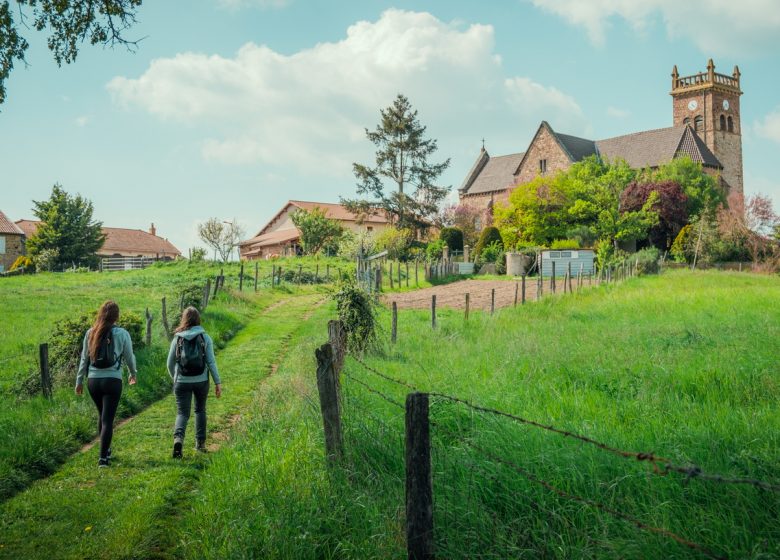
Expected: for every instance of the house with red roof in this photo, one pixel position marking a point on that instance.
(280, 236)
(11, 242)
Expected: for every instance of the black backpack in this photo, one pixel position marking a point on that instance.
(106, 352)
(191, 355)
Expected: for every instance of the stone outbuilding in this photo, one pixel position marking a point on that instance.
(11, 243)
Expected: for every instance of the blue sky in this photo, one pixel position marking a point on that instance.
(231, 107)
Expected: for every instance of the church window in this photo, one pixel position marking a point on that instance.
(542, 166)
(731, 125)
(686, 120)
(369, 228)
(723, 122)
(698, 123)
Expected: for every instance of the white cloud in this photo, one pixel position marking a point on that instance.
(310, 108)
(82, 121)
(769, 127)
(717, 27)
(618, 113)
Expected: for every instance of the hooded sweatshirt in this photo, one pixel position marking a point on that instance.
(211, 362)
(123, 346)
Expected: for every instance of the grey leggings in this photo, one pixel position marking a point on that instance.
(184, 393)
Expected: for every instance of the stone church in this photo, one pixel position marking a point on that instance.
(706, 127)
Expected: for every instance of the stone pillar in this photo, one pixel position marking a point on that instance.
(465, 253)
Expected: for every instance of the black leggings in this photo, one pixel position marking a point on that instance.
(105, 392)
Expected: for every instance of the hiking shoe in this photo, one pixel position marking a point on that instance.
(108, 455)
(177, 445)
(200, 445)
(103, 462)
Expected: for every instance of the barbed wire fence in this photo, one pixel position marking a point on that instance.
(476, 459)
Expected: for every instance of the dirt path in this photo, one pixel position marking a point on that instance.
(454, 295)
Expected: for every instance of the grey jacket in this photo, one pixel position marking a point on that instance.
(211, 362)
(123, 346)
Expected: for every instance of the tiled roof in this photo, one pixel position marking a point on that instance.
(8, 227)
(332, 211)
(652, 148)
(475, 170)
(119, 240)
(578, 148)
(29, 227)
(496, 174)
(272, 238)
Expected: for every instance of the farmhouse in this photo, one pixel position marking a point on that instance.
(122, 242)
(280, 236)
(705, 127)
(11, 242)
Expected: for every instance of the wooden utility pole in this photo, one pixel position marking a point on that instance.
(419, 480)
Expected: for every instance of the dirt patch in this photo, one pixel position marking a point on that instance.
(454, 295)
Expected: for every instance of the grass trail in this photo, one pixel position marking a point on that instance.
(131, 509)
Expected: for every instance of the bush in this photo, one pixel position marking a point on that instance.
(46, 259)
(303, 277)
(198, 254)
(356, 310)
(494, 253)
(452, 237)
(434, 249)
(68, 337)
(396, 242)
(488, 236)
(190, 296)
(563, 244)
(646, 261)
(351, 244)
(22, 261)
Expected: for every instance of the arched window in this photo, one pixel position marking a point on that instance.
(698, 123)
(723, 122)
(731, 125)
(686, 120)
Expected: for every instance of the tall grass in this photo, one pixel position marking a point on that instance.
(683, 365)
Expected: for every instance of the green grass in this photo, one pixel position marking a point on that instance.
(683, 365)
(37, 435)
(131, 510)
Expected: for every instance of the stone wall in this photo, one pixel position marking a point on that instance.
(14, 248)
(544, 146)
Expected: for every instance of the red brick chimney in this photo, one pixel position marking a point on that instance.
(153, 230)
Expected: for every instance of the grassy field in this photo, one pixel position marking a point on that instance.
(37, 435)
(683, 365)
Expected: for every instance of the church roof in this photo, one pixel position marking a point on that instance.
(651, 148)
(578, 148)
(491, 174)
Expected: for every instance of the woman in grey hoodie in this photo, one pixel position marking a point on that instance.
(104, 347)
(190, 360)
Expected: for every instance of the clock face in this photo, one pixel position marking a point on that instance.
(692, 104)
(725, 104)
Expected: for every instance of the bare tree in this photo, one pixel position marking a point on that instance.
(221, 236)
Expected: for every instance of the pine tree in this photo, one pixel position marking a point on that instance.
(402, 160)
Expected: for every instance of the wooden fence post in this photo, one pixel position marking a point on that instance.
(390, 273)
(241, 279)
(338, 340)
(279, 275)
(206, 294)
(407, 274)
(300, 272)
(522, 289)
(419, 480)
(539, 284)
(43, 355)
(273, 275)
(165, 319)
(257, 272)
(329, 402)
(394, 324)
(417, 278)
(568, 273)
(149, 328)
(517, 289)
(399, 274)
(552, 278)
(492, 300)
(433, 311)
(467, 305)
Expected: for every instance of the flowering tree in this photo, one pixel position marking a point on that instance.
(466, 218)
(671, 206)
(749, 222)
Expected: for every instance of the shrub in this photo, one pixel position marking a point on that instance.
(494, 253)
(646, 261)
(190, 296)
(68, 337)
(488, 236)
(396, 242)
(351, 244)
(198, 254)
(22, 261)
(434, 249)
(356, 310)
(583, 235)
(680, 242)
(303, 277)
(562, 244)
(452, 237)
(46, 259)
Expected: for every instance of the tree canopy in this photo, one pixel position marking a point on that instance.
(402, 154)
(317, 230)
(69, 23)
(67, 235)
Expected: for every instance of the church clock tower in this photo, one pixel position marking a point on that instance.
(709, 103)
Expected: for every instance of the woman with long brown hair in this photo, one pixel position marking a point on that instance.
(105, 346)
(190, 360)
